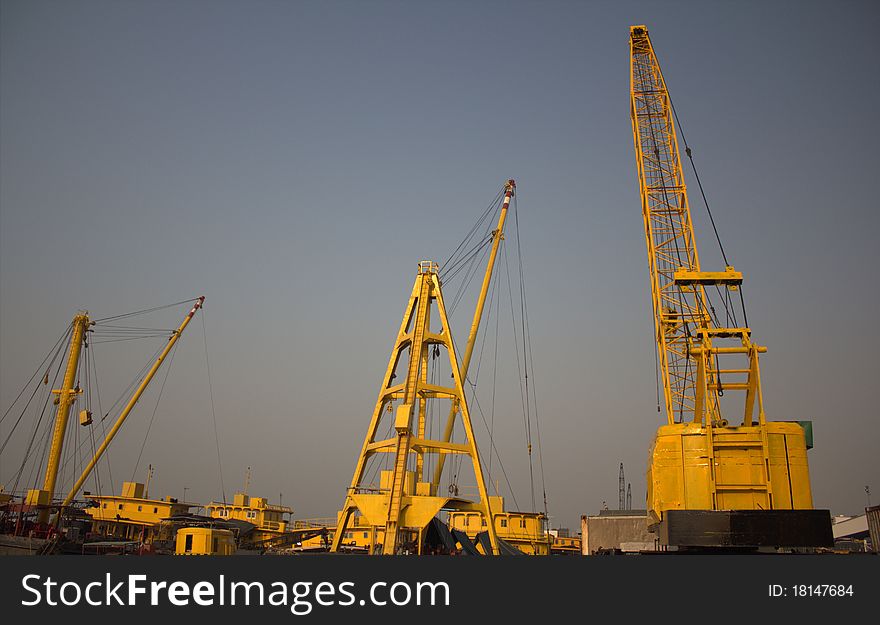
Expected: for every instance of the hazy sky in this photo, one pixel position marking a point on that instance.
(292, 161)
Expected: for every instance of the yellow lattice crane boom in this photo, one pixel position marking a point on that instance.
(698, 460)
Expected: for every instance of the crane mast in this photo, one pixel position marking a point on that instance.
(407, 501)
(65, 398)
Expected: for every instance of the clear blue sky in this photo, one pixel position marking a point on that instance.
(292, 161)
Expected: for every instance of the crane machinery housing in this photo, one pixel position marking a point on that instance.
(710, 483)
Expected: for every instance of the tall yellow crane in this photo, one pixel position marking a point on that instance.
(407, 500)
(132, 402)
(42, 499)
(698, 461)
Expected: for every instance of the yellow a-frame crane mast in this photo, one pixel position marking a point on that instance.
(706, 476)
(407, 500)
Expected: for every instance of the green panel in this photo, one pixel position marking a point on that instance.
(808, 432)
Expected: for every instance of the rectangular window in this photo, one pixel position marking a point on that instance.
(216, 545)
(140, 508)
(120, 506)
(522, 522)
(155, 510)
(189, 543)
(503, 522)
(105, 506)
(366, 534)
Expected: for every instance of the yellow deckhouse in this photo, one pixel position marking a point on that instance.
(524, 530)
(267, 518)
(132, 516)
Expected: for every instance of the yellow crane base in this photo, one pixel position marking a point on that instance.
(758, 467)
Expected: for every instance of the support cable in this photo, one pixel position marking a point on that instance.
(527, 342)
(59, 344)
(155, 409)
(36, 430)
(213, 411)
(145, 311)
(106, 457)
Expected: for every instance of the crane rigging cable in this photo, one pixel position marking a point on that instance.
(213, 411)
(490, 210)
(107, 462)
(33, 437)
(56, 351)
(53, 353)
(527, 341)
(523, 384)
(689, 153)
(155, 409)
(146, 310)
(470, 272)
(467, 263)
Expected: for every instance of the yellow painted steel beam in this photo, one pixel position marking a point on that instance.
(698, 351)
(67, 395)
(708, 278)
(440, 447)
(435, 390)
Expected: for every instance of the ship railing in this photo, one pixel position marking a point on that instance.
(299, 524)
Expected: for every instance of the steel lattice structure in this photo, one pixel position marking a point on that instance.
(669, 232)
